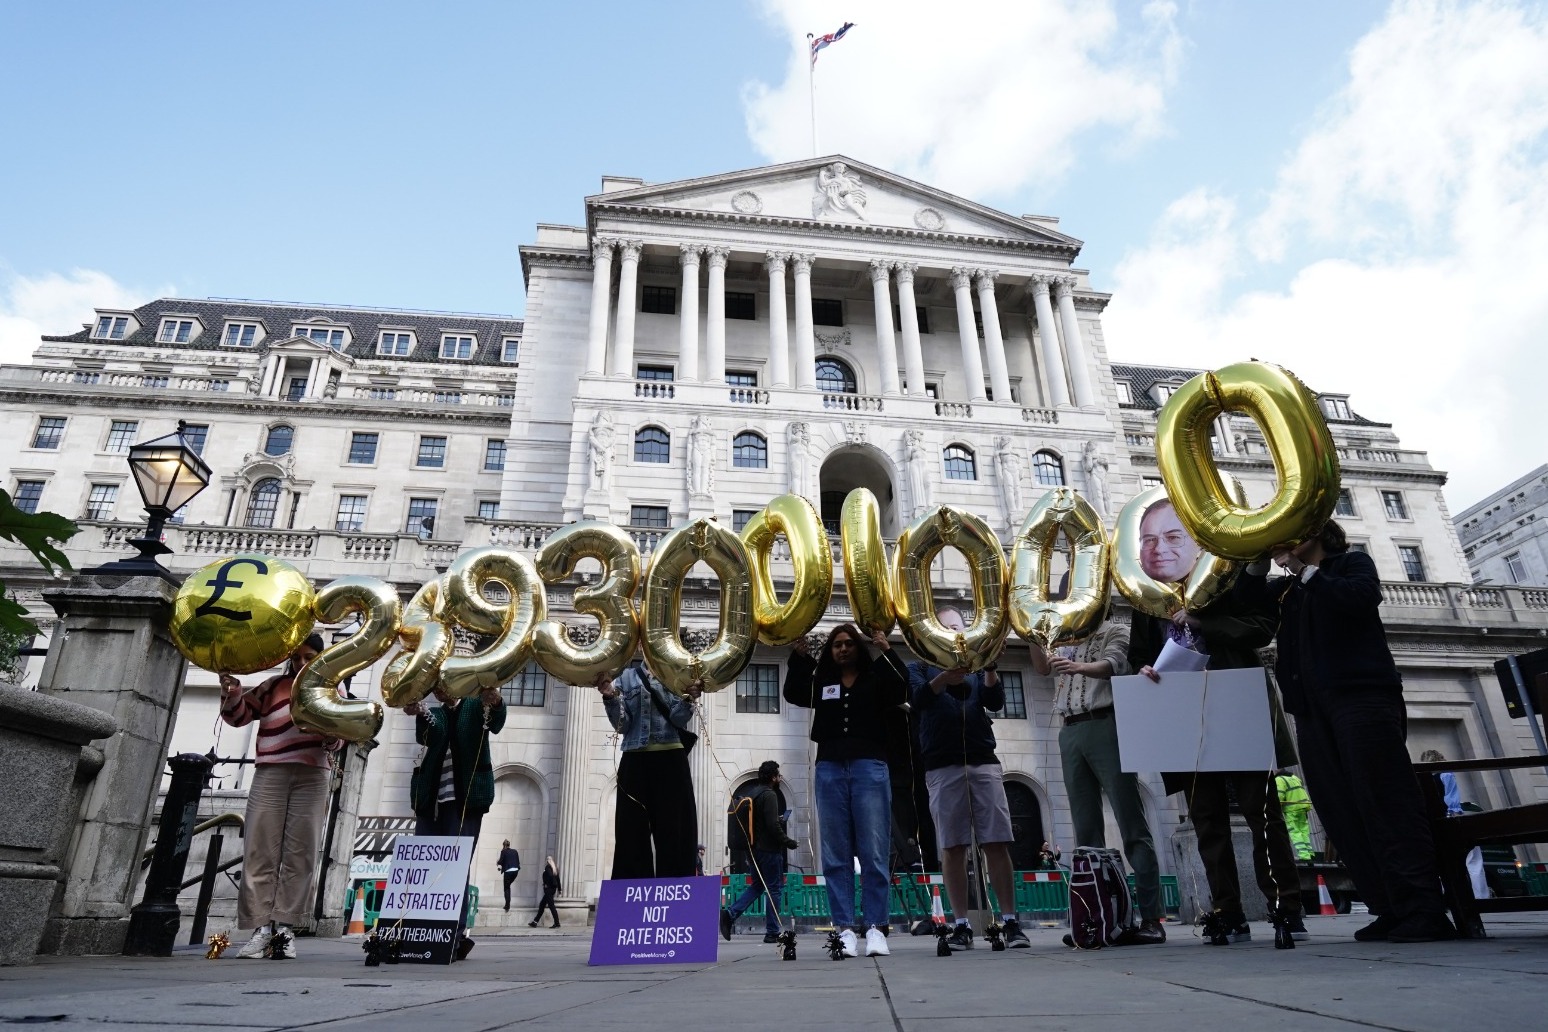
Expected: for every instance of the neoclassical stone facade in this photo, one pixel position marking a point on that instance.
(697, 348)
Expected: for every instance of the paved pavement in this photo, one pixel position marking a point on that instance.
(542, 981)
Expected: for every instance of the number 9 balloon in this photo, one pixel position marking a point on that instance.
(511, 623)
(1061, 514)
(1298, 439)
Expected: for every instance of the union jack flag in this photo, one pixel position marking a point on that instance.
(818, 42)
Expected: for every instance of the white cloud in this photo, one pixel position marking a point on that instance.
(976, 98)
(31, 306)
(1414, 224)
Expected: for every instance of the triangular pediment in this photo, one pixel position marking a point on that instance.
(838, 191)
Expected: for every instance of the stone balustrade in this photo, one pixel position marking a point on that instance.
(852, 402)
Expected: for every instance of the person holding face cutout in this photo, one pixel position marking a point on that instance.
(1229, 636)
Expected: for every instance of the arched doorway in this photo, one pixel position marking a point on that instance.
(1026, 825)
(852, 467)
(519, 813)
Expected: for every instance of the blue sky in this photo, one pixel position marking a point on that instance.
(1352, 189)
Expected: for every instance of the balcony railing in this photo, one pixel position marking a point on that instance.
(1040, 415)
(852, 402)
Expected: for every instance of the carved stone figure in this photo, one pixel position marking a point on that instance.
(1093, 466)
(1007, 474)
(838, 189)
(855, 432)
(918, 462)
(800, 458)
(701, 458)
(600, 444)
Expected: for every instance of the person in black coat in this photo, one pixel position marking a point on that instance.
(1342, 686)
(550, 890)
(510, 866)
(851, 696)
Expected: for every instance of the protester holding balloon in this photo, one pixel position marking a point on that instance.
(655, 821)
(849, 694)
(1226, 636)
(287, 804)
(1340, 682)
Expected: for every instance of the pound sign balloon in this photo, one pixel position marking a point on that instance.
(246, 623)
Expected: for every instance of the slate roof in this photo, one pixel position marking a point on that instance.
(278, 319)
(1142, 378)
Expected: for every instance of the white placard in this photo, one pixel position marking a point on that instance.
(1179, 658)
(1210, 720)
(427, 878)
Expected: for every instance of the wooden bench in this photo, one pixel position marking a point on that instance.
(1455, 837)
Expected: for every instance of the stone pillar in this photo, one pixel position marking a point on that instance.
(688, 313)
(972, 366)
(112, 653)
(805, 336)
(601, 287)
(994, 342)
(715, 317)
(336, 851)
(1053, 360)
(575, 845)
(709, 799)
(1074, 347)
(1223, 434)
(908, 318)
(43, 755)
(779, 331)
(623, 338)
(886, 343)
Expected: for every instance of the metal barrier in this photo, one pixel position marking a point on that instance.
(1040, 895)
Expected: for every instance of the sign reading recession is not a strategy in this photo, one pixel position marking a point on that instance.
(657, 921)
(423, 900)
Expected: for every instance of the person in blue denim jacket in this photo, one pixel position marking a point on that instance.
(849, 694)
(655, 821)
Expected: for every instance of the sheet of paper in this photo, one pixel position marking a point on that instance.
(1179, 658)
(1208, 720)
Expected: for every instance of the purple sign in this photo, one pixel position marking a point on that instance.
(657, 921)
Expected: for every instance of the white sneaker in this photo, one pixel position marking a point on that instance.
(876, 943)
(253, 949)
(851, 945)
(286, 949)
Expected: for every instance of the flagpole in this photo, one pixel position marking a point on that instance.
(811, 89)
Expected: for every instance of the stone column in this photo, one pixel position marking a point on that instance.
(805, 336)
(1074, 347)
(623, 338)
(601, 287)
(779, 331)
(112, 652)
(886, 343)
(972, 366)
(1053, 359)
(908, 317)
(575, 845)
(688, 313)
(715, 316)
(1223, 434)
(994, 342)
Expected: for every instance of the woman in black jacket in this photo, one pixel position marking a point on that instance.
(850, 695)
(550, 890)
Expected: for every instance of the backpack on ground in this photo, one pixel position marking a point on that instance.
(1101, 909)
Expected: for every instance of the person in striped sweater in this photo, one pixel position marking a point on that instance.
(287, 804)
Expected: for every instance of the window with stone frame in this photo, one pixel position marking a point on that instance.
(395, 343)
(653, 516)
(239, 335)
(121, 434)
(1345, 505)
(263, 503)
(528, 688)
(750, 450)
(1048, 469)
(494, 455)
(362, 448)
(510, 349)
(457, 346)
(655, 373)
(740, 518)
(834, 376)
(655, 300)
(326, 335)
(27, 495)
(652, 444)
(432, 452)
(1515, 569)
(960, 463)
(175, 331)
(827, 311)
(1395, 506)
(101, 501)
(352, 513)
(421, 517)
(1015, 696)
(1413, 562)
(279, 440)
(488, 509)
(111, 327)
(741, 305)
(49, 432)
(757, 689)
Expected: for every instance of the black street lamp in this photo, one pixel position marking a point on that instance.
(168, 473)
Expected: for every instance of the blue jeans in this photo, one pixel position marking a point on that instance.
(769, 870)
(854, 818)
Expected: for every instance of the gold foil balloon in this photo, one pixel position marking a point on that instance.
(867, 576)
(1297, 437)
(1061, 518)
(242, 614)
(977, 645)
(427, 642)
(810, 555)
(702, 540)
(314, 698)
(610, 601)
(512, 623)
(1208, 578)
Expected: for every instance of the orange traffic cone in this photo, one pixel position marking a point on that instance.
(357, 917)
(1325, 906)
(937, 912)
